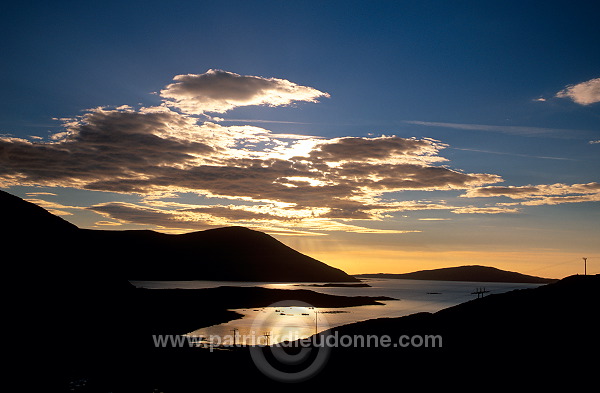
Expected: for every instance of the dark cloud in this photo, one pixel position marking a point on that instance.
(147, 216)
(359, 149)
(157, 150)
(103, 144)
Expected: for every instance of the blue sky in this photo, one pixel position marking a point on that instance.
(508, 90)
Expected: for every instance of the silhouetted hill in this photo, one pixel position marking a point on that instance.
(228, 254)
(69, 301)
(473, 273)
(20, 217)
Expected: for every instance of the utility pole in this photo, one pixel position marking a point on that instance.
(585, 266)
(480, 292)
(234, 330)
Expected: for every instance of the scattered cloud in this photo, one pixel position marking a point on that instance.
(523, 192)
(159, 151)
(220, 91)
(557, 200)
(206, 217)
(279, 183)
(594, 142)
(584, 93)
(552, 194)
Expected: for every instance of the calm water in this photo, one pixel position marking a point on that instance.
(298, 322)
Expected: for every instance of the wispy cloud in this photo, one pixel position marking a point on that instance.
(53, 207)
(512, 154)
(222, 120)
(584, 93)
(511, 130)
(531, 191)
(485, 210)
(545, 194)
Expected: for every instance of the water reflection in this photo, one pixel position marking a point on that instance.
(276, 324)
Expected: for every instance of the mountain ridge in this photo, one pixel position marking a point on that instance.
(225, 254)
(469, 273)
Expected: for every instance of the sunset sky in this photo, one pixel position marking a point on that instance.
(376, 136)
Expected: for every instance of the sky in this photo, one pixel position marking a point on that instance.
(375, 136)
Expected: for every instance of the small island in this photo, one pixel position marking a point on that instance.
(335, 285)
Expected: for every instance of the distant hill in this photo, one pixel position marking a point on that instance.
(229, 254)
(473, 273)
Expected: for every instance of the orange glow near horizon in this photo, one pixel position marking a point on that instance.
(542, 264)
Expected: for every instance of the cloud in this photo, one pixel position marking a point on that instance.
(155, 150)
(205, 217)
(52, 207)
(484, 210)
(107, 223)
(513, 154)
(557, 200)
(524, 192)
(377, 149)
(594, 142)
(552, 194)
(103, 144)
(584, 93)
(263, 180)
(511, 130)
(219, 91)
(31, 194)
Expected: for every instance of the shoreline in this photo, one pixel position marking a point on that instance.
(217, 305)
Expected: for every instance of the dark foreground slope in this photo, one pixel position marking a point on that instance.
(472, 273)
(524, 338)
(530, 339)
